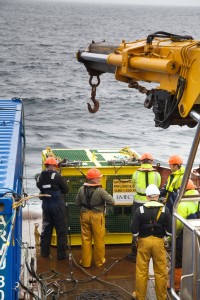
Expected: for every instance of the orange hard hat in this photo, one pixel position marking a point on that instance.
(146, 155)
(93, 173)
(175, 160)
(190, 185)
(51, 161)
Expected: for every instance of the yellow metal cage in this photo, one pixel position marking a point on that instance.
(117, 167)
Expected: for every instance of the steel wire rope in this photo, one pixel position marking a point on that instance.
(25, 285)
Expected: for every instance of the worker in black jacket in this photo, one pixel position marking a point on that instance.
(54, 209)
(151, 223)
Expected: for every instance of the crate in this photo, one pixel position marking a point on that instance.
(116, 180)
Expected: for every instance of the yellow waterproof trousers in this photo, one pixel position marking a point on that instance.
(92, 228)
(151, 247)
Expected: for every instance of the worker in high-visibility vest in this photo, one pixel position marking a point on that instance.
(144, 176)
(171, 187)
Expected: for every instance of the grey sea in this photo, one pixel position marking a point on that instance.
(38, 45)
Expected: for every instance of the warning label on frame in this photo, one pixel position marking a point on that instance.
(123, 191)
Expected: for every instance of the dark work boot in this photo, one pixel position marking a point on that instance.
(132, 256)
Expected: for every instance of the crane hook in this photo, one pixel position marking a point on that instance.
(94, 109)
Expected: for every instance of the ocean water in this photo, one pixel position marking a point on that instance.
(38, 45)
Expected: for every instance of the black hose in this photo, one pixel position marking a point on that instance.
(164, 34)
(179, 91)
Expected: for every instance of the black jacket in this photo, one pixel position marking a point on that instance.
(49, 179)
(151, 219)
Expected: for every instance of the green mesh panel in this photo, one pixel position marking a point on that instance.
(74, 221)
(74, 155)
(71, 154)
(104, 163)
(99, 157)
(118, 218)
(74, 183)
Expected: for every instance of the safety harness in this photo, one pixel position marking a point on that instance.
(88, 192)
(153, 223)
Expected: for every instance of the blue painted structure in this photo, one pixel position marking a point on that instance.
(12, 145)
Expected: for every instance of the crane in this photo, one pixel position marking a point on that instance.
(169, 60)
(173, 62)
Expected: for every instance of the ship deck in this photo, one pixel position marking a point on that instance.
(66, 279)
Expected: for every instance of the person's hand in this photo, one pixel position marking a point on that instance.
(162, 200)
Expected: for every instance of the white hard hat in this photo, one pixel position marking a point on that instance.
(152, 189)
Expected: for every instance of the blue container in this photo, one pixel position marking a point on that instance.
(11, 174)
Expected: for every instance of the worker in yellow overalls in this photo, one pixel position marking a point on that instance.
(151, 222)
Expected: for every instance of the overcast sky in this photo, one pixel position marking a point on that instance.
(144, 2)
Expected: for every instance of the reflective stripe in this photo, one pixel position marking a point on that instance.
(141, 209)
(175, 182)
(153, 203)
(136, 234)
(49, 186)
(46, 186)
(53, 175)
(168, 233)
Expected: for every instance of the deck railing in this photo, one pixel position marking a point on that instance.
(180, 197)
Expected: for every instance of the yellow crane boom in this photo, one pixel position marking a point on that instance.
(172, 61)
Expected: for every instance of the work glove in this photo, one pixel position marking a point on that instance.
(168, 242)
